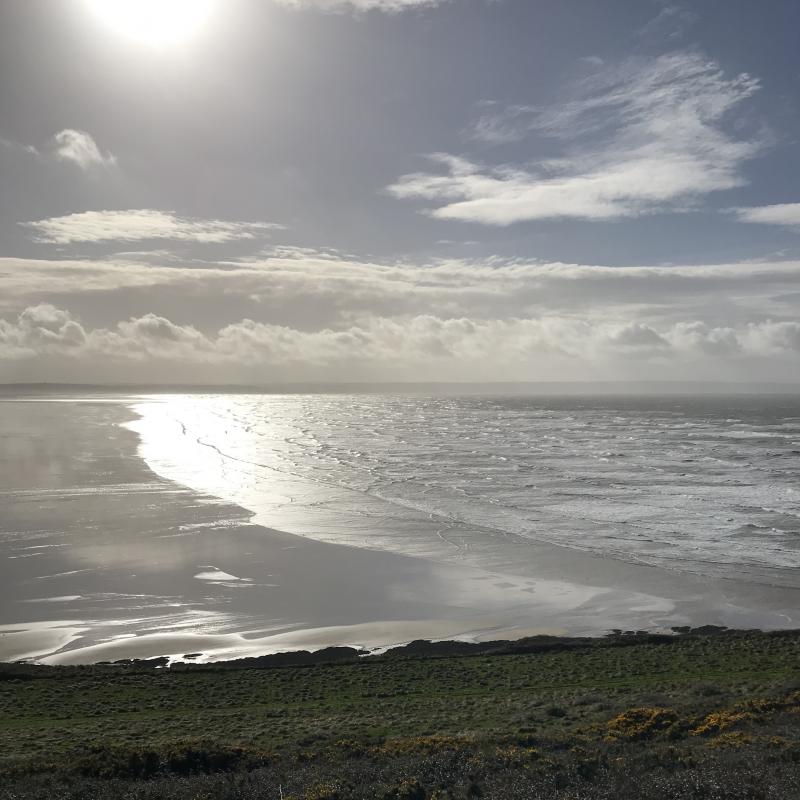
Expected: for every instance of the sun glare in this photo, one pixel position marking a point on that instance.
(155, 22)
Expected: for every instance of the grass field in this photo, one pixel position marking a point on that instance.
(698, 716)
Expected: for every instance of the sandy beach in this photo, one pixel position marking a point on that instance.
(101, 559)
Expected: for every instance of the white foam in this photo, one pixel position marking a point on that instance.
(676, 486)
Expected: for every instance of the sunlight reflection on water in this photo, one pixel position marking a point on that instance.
(697, 484)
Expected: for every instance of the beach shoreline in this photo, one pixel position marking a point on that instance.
(527, 644)
(105, 560)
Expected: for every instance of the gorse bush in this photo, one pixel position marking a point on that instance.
(641, 723)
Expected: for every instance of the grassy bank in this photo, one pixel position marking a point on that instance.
(695, 716)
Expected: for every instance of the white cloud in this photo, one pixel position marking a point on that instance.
(359, 5)
(773, 337)
(642, 138)
(311, 288)
(636, 336)
(501, 127)
(427, 345)
(29, 149)
(785, 214)
(672, 21)
(40, 329)
(142, 224)
(78, 147)
(700, 337)
(46, 330)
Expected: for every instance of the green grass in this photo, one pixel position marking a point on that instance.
(537, 714)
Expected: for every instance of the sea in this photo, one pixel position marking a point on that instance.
(702, 484)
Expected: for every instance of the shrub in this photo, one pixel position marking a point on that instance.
(641, 723)
(186, 758)
(423, 745)
(719, 721)
(410, 789)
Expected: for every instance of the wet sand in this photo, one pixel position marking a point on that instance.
(101, 559)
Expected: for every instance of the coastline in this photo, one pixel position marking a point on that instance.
(534, 644)
(150, 568)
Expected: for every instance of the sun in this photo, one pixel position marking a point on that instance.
(155, 22)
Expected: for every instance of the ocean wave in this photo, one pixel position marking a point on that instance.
(695, 486)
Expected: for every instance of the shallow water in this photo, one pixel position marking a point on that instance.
(702, 484)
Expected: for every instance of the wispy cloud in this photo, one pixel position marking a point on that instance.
(672, 21)
(142, 224)
(29, 149)
(644, 137)
(784, 214)
(360, 5)
(80, 148)
(73, 146)
(511, 124)
(310, 289)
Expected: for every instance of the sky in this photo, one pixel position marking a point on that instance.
(256, 191)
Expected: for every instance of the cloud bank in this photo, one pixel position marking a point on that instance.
(334, 288)
(450, 348)
(142, 224)
(641, 138)
(297, 314)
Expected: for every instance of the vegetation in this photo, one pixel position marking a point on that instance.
(699, 715)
